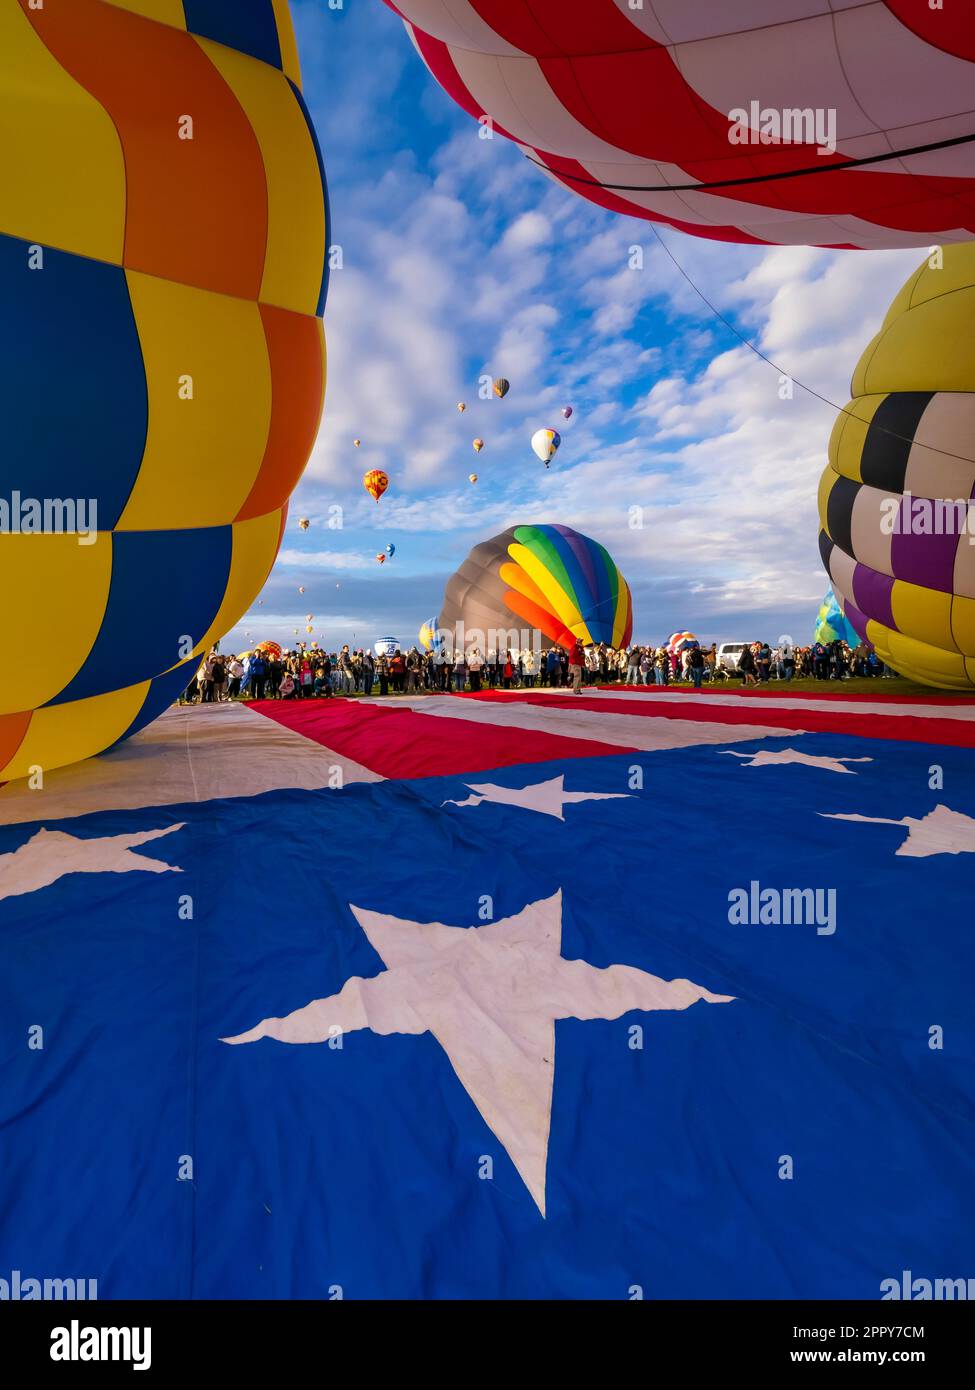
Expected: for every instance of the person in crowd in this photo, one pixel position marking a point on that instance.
(475, 665)
(695, 665)
(576, 663)
(633, 666)
(746, 666)
(507, 670)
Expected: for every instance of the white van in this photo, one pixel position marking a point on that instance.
(728, 654)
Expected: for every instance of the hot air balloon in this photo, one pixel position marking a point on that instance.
(375, 482)
(271, 649)
(461, 407)
(680, 112)
(832, 624)
(390, 550)
(381, 558)
(679, 642)
(304, 524)
(387, 646)
(428, 635)
(478, 445)
(545, 443)
(547, 579)
(894, 499)
(309, 628)
(150, 260)
(357, 442)
(567, 412)
(301, 588)
(309, 617)
(472, 477)
(501, 387)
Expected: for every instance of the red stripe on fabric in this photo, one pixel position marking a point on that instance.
(561, 28)
(951, 30)
(782, 692)
(902, 728)
(438, 59)
(400, 743)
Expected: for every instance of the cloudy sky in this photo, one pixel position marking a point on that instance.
(462, 260)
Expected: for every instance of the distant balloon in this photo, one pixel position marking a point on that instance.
(357, 442)
(545, 577)
(304, 524)
(375, 482)
(381, 558)
(260, 603)
(461, 407)
(309, 628)
(545, 443)
(301, 588)
(566, 412)
(387, 646)
(502, 387)
(390, 550)
(472, 477)
(478, 445)
(428, 635)
(309, 617)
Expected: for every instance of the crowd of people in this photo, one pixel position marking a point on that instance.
(313, 673)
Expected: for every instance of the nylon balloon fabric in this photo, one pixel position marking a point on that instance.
(163, 271)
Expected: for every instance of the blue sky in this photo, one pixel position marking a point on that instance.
(462, 259)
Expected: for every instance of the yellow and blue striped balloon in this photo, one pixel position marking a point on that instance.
(163, 270)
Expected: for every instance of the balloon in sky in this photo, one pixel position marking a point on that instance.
(309, 628)
(832, 623)
(703, 115)
(375, 482)
(894, 499)
(301, 588)
(390, 550)
(304, 524)
(478, 445)
(546, 578)
(357, 442)
(386, 646)
(567, 412)
(545, 443)
(472, 477)
(381, 558)
(502, 387)
(461, 407)
(309, 617)
(428, 635)
(165, 299)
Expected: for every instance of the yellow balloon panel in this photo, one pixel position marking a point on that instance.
(63, 176)
(296, 208)
(67, 733)
(51, 623)
(209, 383)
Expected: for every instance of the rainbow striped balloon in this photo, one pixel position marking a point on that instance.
(163, 269)
(558, 581)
